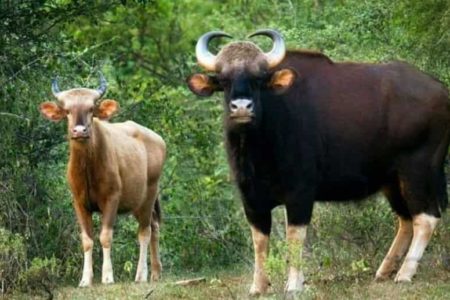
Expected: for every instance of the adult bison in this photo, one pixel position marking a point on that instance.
(113, 168)
(301, 128)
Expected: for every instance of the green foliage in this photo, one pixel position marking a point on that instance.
(12, 258)
(41, 277)
(352, 240)
(146, 50)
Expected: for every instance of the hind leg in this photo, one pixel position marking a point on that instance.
(154, 245)
(397, 250)
(421, 187)
(404, 234)
(144, 218)
(423, 225)
(144, 233)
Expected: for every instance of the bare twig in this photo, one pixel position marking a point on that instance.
(193, 281)
(149, 294)
(14, 116)
(23, 69)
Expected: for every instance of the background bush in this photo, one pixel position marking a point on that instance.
(145, 48)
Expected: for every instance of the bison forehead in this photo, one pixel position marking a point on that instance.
(78, 96)
(241, 56)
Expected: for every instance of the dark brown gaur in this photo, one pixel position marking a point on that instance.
(113, 168)
(301, 128)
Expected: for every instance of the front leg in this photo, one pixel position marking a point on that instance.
(260, 224)
(84, 218)
(109, 213)
(298, 215)
(106, 241)
(295, 236)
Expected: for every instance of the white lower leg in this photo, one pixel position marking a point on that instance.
(142, 268)
(260, 244)
(88, 273)
(423, 226)
(296, 235)
(398, 248)
(107, 269)
(155, 261)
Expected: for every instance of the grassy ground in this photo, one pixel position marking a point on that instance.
(338, 264)
(428, 284)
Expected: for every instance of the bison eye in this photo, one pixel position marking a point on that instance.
(264, 76)
(258, 81)
(224, 82)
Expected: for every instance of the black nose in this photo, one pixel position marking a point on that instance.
(241, 104)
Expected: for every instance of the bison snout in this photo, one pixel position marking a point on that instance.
(80, 131)
(241, 105)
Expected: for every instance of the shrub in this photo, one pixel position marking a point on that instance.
(12, 259)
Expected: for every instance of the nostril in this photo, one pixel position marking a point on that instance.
(241, 105)
(79, 129)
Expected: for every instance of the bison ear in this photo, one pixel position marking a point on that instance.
(203, 85)
(51, 111)
(106, 109)
(282, 80)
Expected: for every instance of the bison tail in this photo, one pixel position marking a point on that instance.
(156, 215)
(442, 194)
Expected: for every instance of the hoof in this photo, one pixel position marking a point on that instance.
(141, 276)
(294, 284)
(85, 283)
(140, 279)
(108, 280)
(294, 294)
(294, 287)
(258, 290)
(402, 279)
(255, 293)
(156, 272)
(381, 277)
(155, 276)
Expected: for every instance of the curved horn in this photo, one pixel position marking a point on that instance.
(205, 58)
(103, 84)
(55, 87)
(276, 55)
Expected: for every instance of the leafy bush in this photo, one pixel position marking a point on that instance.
(41, 277)
(12, 259)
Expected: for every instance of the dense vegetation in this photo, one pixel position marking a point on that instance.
(145, 48)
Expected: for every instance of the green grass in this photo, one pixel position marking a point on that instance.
(430, 283)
